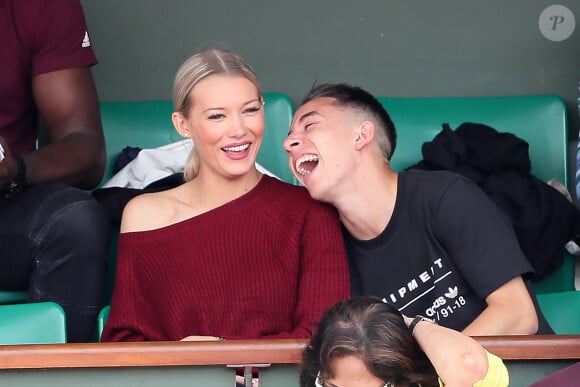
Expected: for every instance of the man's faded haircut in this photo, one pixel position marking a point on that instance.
(359, 99)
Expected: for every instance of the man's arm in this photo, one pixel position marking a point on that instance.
(509, 311)
(68, 103)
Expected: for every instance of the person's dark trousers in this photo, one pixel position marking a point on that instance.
(53, 243)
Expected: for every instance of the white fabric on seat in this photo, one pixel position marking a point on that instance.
(154, 164)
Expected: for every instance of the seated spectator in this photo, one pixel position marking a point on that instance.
(231, 253)
(53, 234)
(366, 342)
(428, 242)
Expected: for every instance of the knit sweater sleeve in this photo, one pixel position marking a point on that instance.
(323, 278)
(123, 322)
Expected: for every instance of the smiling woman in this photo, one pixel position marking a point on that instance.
(226, 122)
(230, 253)
(225, 102)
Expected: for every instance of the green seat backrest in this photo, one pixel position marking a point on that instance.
(34, 323)
(147, 124)
(12, 296)
(142, 124)
(562, 310)
(539, 119)
(102, 320)
(278, 111)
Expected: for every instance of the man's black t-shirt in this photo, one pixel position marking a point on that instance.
(445, 249)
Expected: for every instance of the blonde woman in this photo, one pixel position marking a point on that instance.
(231, 253)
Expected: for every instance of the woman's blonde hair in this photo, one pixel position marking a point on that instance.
(199, 66)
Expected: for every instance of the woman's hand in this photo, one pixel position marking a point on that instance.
(202, 338)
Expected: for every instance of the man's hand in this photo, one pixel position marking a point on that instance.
(8, 167)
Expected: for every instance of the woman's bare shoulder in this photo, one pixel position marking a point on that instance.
(149, 211)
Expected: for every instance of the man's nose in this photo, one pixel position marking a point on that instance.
(291, 142)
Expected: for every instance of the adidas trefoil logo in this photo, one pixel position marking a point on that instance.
(86, 40)
(451, 292)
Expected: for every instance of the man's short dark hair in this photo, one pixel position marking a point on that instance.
(360, 99)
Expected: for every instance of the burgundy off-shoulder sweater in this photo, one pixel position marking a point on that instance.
(265, 265)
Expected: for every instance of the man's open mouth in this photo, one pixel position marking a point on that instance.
(306, 164)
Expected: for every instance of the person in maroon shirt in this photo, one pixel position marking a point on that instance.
(53, 235)
(230, 253)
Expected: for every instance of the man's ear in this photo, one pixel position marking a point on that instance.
(365, 135)
(181, 124)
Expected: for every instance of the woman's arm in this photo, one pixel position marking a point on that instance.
(458, 359)
(323, 278)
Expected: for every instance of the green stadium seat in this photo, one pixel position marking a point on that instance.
(33, 323)
(562, 310)
(102, 320)
(12, 297)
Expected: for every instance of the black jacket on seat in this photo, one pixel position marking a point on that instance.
(543, 218)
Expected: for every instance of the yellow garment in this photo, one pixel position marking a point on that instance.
(496, 376)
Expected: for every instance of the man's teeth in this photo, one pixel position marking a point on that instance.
(304, 159)
(239, 148)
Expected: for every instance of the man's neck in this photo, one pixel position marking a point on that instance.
(366, 210)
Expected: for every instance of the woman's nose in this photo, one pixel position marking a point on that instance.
(236, 131)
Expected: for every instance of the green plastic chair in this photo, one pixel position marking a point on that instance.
(102, 320)
(538, 119)
(562, 310)
(278, 112)
(33, 323)
(12, 297)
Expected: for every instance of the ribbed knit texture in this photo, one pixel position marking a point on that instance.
(265, 265)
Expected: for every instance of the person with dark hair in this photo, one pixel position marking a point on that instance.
(54, 236)
(230, 253)
(429, 242)
(363, 341)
